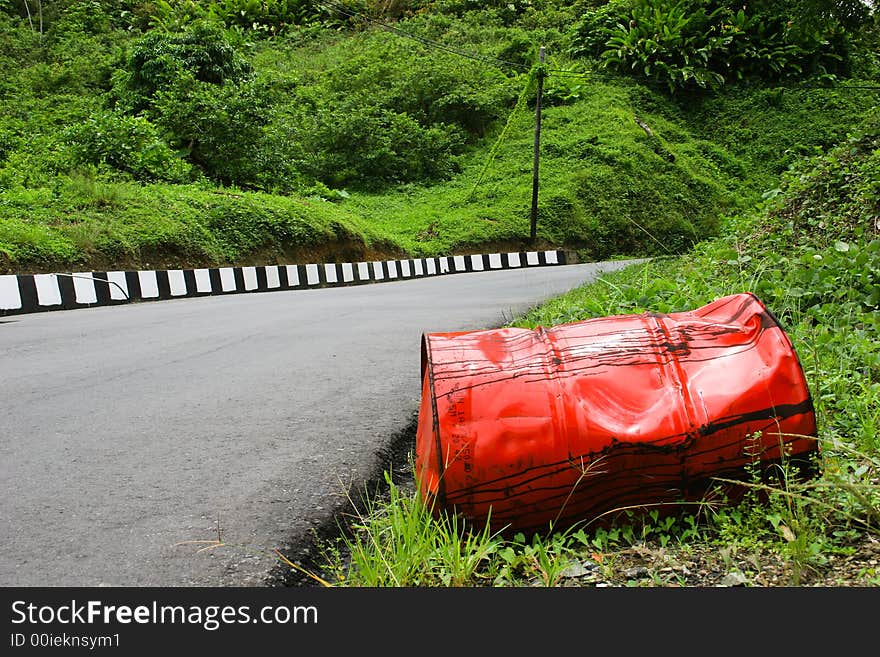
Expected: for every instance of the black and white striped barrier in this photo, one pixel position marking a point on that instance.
(66, 291)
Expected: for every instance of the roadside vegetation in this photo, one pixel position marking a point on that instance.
(734, 144)
(179, 133)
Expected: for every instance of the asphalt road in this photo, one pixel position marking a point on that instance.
(129, 433)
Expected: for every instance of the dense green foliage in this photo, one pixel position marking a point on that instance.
(414, 118)
(705, 43)
(83, 222)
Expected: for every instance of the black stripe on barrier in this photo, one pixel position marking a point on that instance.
(102, 288)
(163, 284)
(189, 280)
(216, 283)
(132, 281)
(27, 290)
(302, 280)
(282, 278)
(238, 277)
(68, 292)
(262, 280)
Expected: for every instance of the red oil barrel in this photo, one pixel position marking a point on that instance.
(559, 425)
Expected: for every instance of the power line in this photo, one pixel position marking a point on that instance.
(649, 81)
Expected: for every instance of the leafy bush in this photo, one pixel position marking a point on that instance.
(158, 59)
(130, 144)
(218, 127)
(383, 111)
(669, 42)
(597, 25)
(368, 146)
(835, 197)
(704, 43)
(257, 17)
(430, 85)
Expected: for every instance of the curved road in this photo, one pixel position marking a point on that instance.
(128, 432)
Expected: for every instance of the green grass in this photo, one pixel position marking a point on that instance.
(605, 186)
(84, 222)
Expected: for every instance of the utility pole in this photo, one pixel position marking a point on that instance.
(534, 229)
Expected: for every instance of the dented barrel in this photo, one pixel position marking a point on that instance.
(563, 424)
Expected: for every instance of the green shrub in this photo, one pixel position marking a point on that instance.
(430, 85)
(596, 26)
(704, 43)
(218, 126)
(836, 196)
(158, 59)
(370, 146)
(382, 111)
(129, 144)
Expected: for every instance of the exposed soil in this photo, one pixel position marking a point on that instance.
(165, 258)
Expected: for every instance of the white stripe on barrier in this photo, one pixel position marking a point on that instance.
(513, 260)
(149, 284)
(551, 257)
(377, 271)
(477, 262)
(227, 279)
(292, 275)
(117, 281)
(250, 277)
(392, 268)
(273, 279)
(363, 270)
(203, 280)
(418, 267)
(532, 258)
(312, 277)
(347, 272)
(330, 272)
(405, 269)
(444, 265)
(10, 296)
(432, 267)
(84, 287)
(176, 282)
(48, 292)
(495, 261)
(459, 263)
